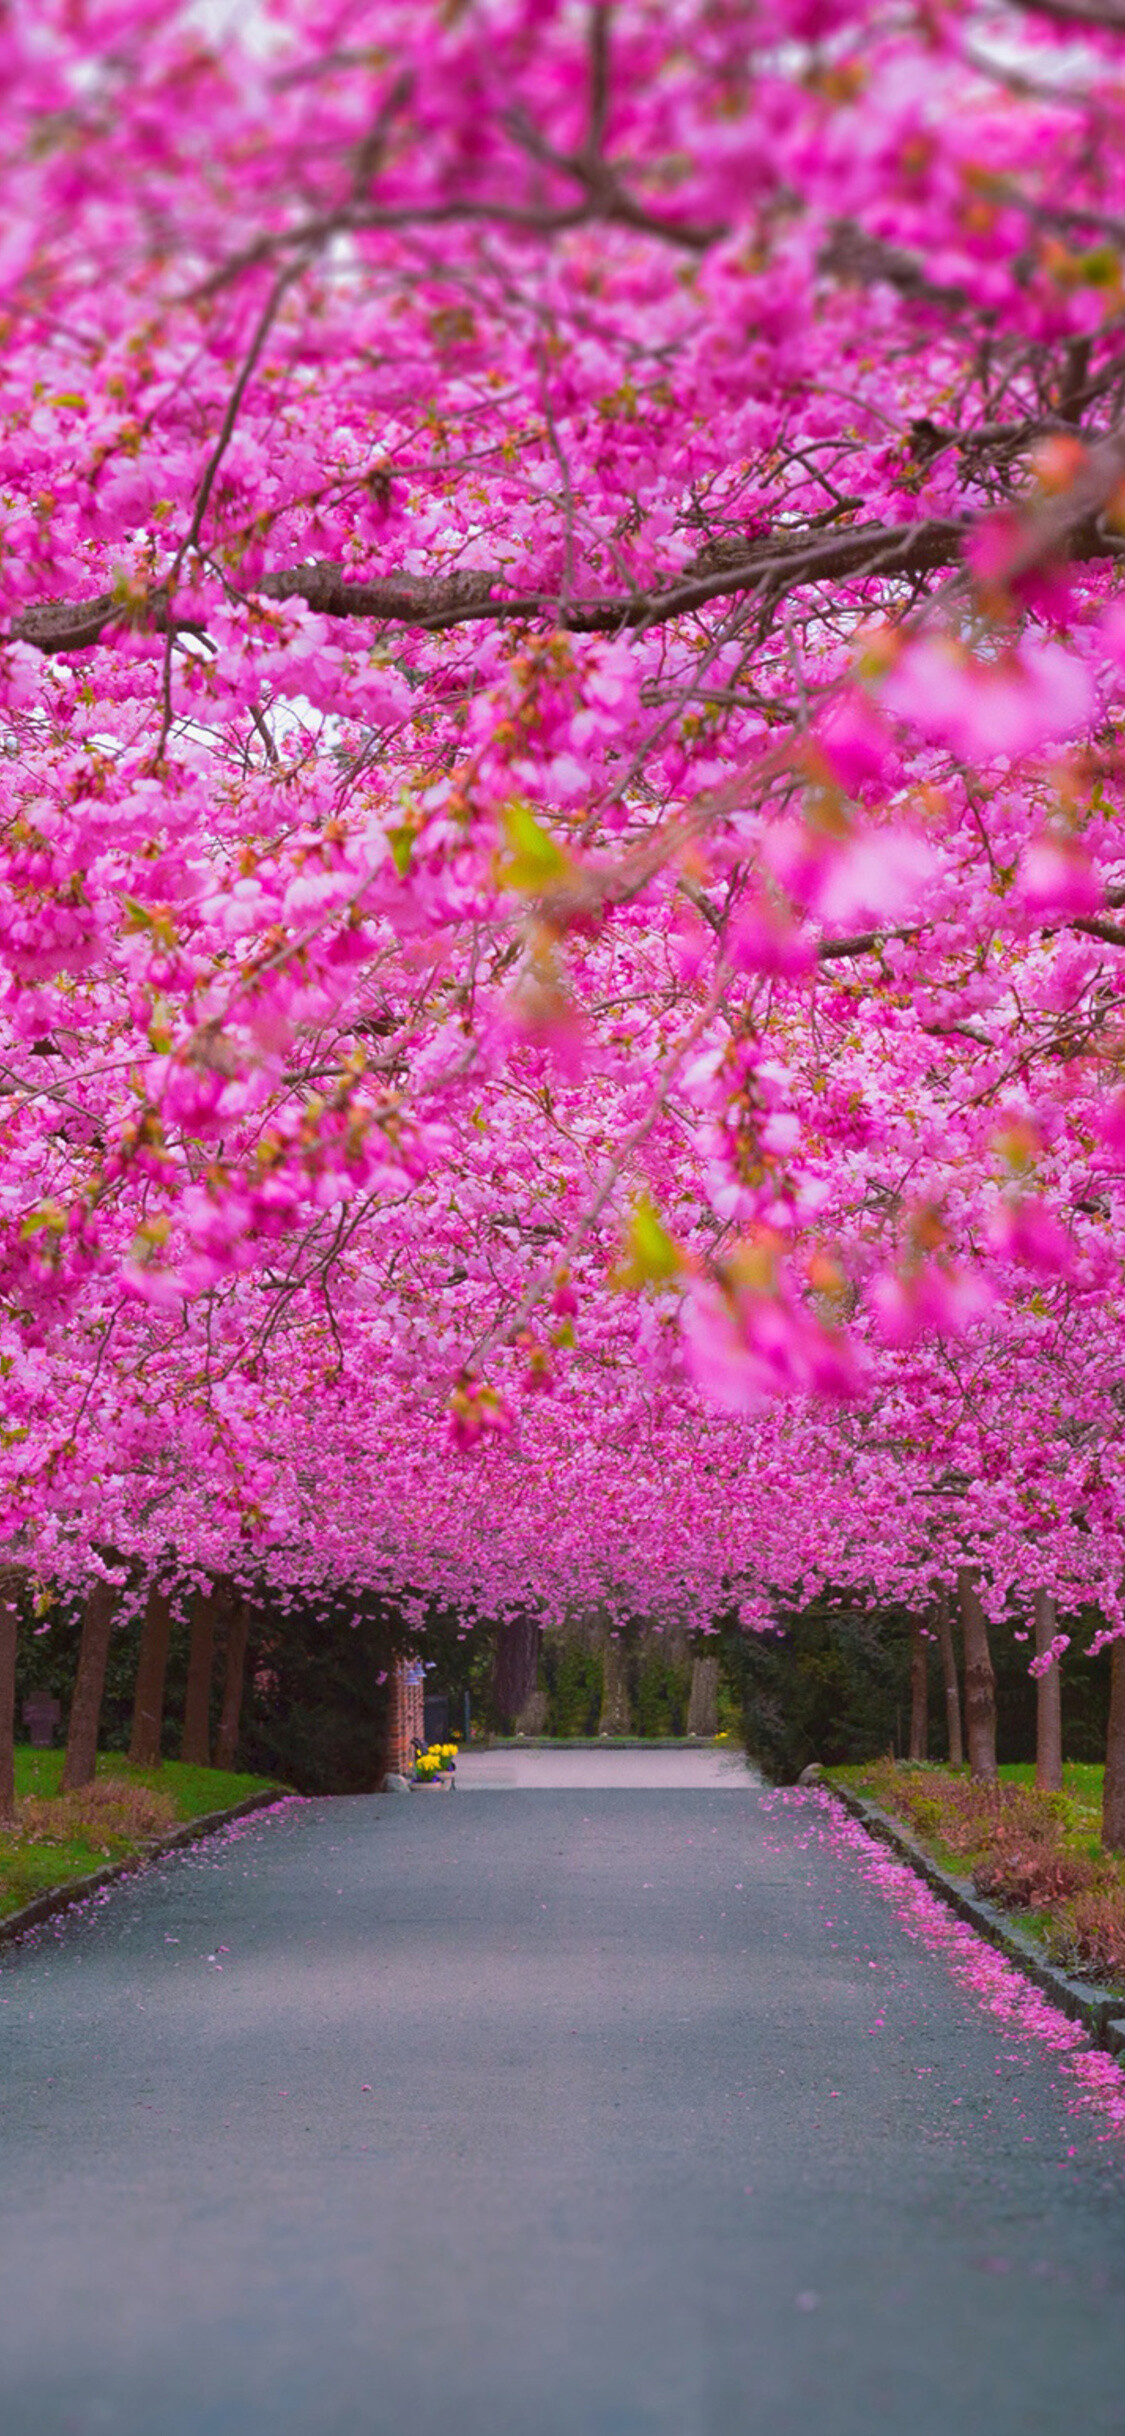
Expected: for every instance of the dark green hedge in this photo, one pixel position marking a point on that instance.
(833, 1684)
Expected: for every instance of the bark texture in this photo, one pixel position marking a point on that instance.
(919, 1690)
(532, 1718)
(948, 1656)
(196, 1742)
(81, 1760)
(1048, 1702)
(515, 1669)
(703, 1698)
(980, 1682)
(234, 1677)
(1113, 1790)
(615, 1717)
(148, 1692)
(12, 1578)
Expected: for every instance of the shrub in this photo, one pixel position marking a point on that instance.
(660, 1690)
(316, 1698)
(1090, 1935)
(113, 1806)
(1030, 1876)
(1025, 1852)
(972, 1817)
(574, 1680)
(827, 1685)
(833, 1684)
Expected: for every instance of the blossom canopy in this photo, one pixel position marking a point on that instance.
(562, 672)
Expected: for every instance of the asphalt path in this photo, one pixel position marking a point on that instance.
(595, 2111)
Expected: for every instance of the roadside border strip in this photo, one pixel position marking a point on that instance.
(56, 1899)
(1100, 2013)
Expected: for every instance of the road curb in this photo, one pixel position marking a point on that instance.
(1100, 2013)
(55, 1899)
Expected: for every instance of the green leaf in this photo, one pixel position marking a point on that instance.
(536, 862)
(1101, 267)
(651, 1256)
(50, 1218)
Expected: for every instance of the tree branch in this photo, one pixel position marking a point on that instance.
(1109, 15)
(1111, 932)
(778, 563)
(432, 603)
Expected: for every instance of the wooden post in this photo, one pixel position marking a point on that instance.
(980, 1682)
(80, 1765)
(1048, 1702)
(948, 1656)
(148, 1694)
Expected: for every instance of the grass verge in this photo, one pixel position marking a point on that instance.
(64, 1836)
(1036, 1855)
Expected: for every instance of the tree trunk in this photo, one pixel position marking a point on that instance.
(11, 1580)
(532, 1718)
(1048, 1702)
(234, 1676)
(615, 1718)
(1113, 1790)
(148, 1694)
(703, 1699)
(196, 1743)
(949, 1679)
(81, 1761)
(919, 1690)
(980, 1682)
(515, 1668)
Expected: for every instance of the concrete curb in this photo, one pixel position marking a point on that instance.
(1099, 2012)
(55, 1899)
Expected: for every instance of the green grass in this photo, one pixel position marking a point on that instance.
(879, 1781)
(870, 1779)
(1082, 1778)
(192, 1791)
(1082, 1789)
(53, 1845)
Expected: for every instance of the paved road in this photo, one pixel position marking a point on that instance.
(537, 2114)
(584, 1768)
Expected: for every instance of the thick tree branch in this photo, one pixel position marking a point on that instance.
(432, 603)
(1071, 524)
(1108, 15)
(862, 943)
(1110, 932)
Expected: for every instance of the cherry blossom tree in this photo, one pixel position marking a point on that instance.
(561, 864)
